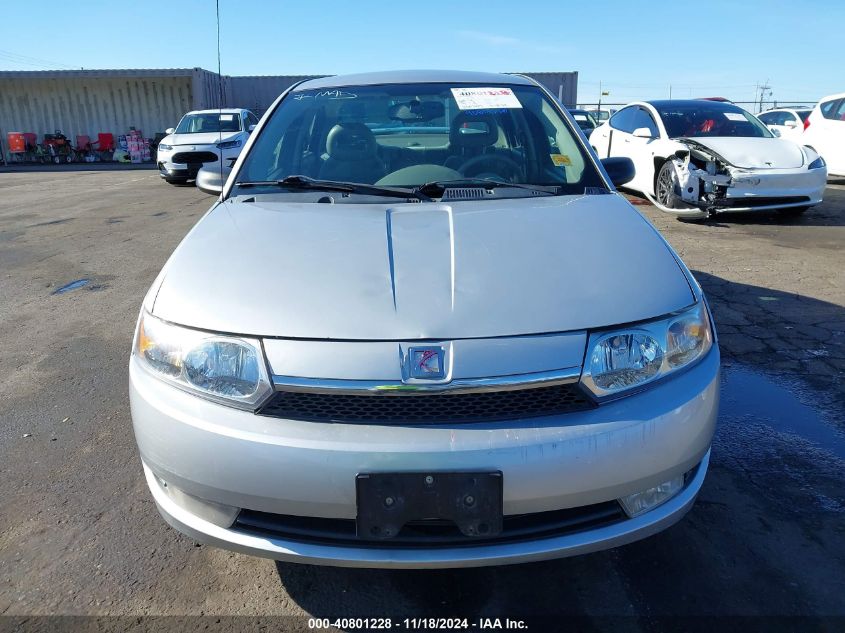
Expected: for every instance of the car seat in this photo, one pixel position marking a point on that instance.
(352, 154)
(466, 141)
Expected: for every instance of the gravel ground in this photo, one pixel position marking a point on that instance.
(79, 534)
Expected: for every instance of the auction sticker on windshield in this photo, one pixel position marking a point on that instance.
(484, 98)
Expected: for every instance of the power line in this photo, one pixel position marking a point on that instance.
(29, 60)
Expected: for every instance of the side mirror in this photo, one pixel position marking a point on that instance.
(775, 131)
(251, 128)
(170, 130)
(211, 181)
(791, 124)
(643, 132)
(620, 169)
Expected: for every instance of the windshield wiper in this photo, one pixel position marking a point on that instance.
(436, 188)
(313, 184)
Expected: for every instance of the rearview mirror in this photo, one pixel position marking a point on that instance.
(619, 169)
(643, 132)
(169, 130)
(416, 111)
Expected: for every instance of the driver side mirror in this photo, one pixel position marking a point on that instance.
(620, 169)
(791, 123)
(775, 131)
(251, 128)
(170, 130)
(643, 132)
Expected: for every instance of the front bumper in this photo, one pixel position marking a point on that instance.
(308, 469)
(173, 169)
(762, 190)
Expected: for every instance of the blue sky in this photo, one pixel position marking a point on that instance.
(636, 49)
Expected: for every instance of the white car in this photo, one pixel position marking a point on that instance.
(787, 122)
(696, 158)
(203, 137)
(825, 132)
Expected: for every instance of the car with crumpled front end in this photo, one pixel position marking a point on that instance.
(696, 158)
(420, 328)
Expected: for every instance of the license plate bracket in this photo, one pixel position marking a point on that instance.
(387, 501)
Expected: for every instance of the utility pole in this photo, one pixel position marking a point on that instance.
(670, 92)
(763, 90)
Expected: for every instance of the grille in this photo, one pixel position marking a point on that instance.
(762, 201)
(441, 408)
(430, 533)
(194, 157)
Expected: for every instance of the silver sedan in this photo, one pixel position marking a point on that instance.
(420, 328)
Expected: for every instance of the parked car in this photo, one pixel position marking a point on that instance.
(419, 328)
(824, 131)
(786, 122)
(203, 137)
(695, 158)
(585, 120)
(602, 115)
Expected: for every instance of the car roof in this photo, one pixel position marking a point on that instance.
(218, 110)
(412, 77)
(834, 96)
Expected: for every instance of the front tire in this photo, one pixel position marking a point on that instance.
(667, 190)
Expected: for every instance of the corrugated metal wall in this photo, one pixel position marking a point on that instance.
(258, 93)
(80, 105)
(562, 85)
(88, 102)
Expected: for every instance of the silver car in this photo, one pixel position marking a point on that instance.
(420, 328)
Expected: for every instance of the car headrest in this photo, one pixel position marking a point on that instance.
(350, 142)
(471, 129)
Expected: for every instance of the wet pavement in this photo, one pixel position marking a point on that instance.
(79, 534)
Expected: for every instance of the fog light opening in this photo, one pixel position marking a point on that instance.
(641, 502)
(217, 513)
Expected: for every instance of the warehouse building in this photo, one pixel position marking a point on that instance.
(151, 100)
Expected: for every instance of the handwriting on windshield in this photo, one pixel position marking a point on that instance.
(326, 94)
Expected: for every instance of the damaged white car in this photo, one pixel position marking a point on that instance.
(697, 158)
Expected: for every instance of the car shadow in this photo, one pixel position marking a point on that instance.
(764, 537)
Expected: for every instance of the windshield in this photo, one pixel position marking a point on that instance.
(209, 122)
(709, 118)
(405, 135)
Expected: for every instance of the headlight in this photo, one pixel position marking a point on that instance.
(165, 147)
(631, 357)
(817, 164)
(222, 368)
(228, 144)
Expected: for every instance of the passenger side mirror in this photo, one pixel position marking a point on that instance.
(169, 130)
(643, 132)
(775, 131)
(211, 181)
(620, 169)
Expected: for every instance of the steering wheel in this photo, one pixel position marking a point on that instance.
(511, 167)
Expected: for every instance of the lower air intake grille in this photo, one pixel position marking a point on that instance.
(440, 408)
(430, 533)
(194, 157)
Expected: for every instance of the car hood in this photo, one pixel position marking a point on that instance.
(420, 271)
(201, 138)
(754, 153)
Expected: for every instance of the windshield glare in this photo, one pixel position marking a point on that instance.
(209, 122)
(709, 118)
(405, 135)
